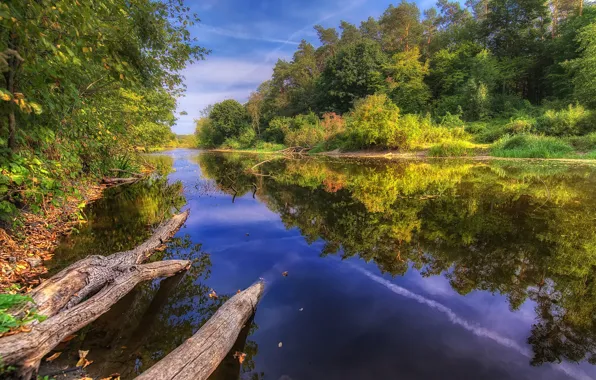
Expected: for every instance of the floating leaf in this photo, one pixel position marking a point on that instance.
(285, 274)
(213, 294)
(240, 356)
(280, 344)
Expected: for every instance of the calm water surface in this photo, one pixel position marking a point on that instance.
(396, 270)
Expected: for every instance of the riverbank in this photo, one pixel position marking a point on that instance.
(25, 247)
(483, 155)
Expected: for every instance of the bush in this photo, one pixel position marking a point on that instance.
(374, 122)
(583, 143)
(332, 124)
(275, 131)
(573, 121)
(206, 134)
(452, 148)
(531, 146)
(520, 125)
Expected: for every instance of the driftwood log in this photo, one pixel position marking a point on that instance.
(200, 355)
(104, 279)
(86, 276)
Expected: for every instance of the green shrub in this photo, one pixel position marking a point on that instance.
(451, 120)
(268, 146)
(583, 143)
(275, 130)
(9, 321)
(573, 121)
(374, 122)
(475, 128)
(206, 134)
(519, 125)
(452, 148)
(531, 146)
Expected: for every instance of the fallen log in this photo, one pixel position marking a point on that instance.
(120, 181)
(27, 349)
(83, 278)
(200, 355)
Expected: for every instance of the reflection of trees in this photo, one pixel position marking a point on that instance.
(522, 231)
(121, 220)
(153, 320)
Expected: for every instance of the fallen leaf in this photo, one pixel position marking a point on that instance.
(54, 356)
(212, 294)
(239, 291)
(82, 356)
(285, 274)
(280, 344)
(240, 356)
(86, 378)
(301, 309)
(68, 338)
(87, 362)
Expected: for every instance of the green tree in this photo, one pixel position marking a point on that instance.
(401, 27)
(584, 78)
(228, 118)
(406, 75)
(355, 72)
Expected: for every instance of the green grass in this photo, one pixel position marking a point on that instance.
(452, 148)
(585, 143)
(531, 146)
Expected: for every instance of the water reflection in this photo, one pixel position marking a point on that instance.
(509, 237)
(524, 231)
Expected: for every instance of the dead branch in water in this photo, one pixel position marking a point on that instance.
(200, 355)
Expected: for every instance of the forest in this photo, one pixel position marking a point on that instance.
(511, 78)
(84, 85)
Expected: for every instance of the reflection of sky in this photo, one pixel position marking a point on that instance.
(355, 323)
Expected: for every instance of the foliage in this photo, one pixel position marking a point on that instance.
(531, 146)
(229, 119)
(374, 122)
(573, 121)
(84, 82)
(353, 73)
(584, 77)
(406, 81)
(8, 321)
(452, 148)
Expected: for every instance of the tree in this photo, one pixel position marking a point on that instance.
(328, 39)
(349, 33)
(229, 118)
(253, 107)
(371, 29)
(406, 75)
(401, 27)
(584, 79)
(355, 72)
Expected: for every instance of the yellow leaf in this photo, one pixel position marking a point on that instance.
(53, 357)
(240, 356)
(82, 356)
(121, 76)
(212, 294)
(87, 362)
(4, 96)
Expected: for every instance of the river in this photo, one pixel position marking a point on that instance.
(444, 269)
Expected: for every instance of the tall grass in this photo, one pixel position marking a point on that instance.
(452, 148)
(531, 146)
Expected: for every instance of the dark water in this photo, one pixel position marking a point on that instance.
(396, 270)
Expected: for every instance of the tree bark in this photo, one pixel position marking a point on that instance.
(85, 277)
(27, 349)
(200, 355)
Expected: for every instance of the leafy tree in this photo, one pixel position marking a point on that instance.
(401, 27)
(355, 72)
(406, 75)
(349, 33)
(584, 78)
(228, 118)
(371, 29)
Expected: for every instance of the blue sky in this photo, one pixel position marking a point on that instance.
(247, 37)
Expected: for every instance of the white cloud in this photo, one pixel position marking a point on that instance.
(226, 72)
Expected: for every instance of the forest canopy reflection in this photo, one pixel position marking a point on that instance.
(526, 231)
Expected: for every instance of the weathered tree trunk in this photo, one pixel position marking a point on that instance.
(200, 355)
(85, 277)
(121, 181)
(27, 349)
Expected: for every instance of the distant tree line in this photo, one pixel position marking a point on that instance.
(450, 65)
